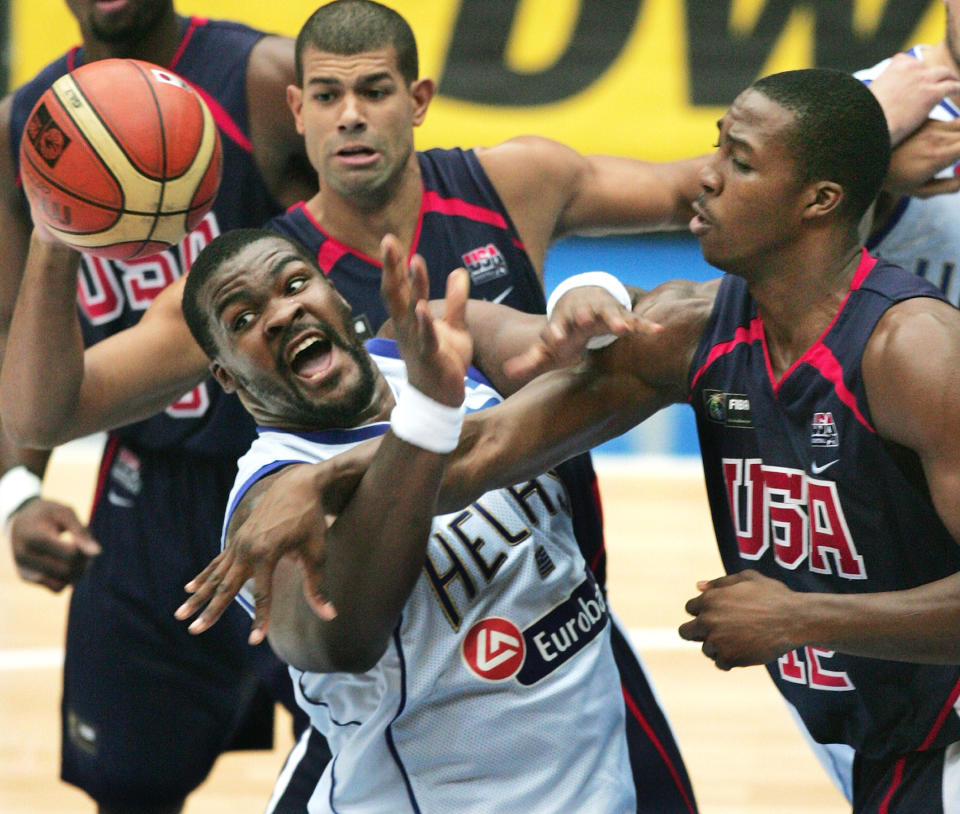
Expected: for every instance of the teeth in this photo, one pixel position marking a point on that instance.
(303, 344)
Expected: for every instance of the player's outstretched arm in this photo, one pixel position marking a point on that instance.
(551, 190)
(748, 619)
(50, 546)
(52, 390)
(373, 551)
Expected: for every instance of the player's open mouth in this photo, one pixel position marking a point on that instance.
(310, 356)
(357, 154)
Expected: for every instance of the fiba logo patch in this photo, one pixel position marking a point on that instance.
(731, 409)
(485, 263)
(46, 136)
(494, 649)
(823, 430)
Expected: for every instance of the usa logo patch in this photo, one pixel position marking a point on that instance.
(485, 263)
(823, 430)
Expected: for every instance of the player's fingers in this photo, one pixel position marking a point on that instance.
(692, 631)
(394, 284)
(937, 186)
(262, 597)
(218, 597)
(47, 580)
(206, 574)
(455, 300)
(419, 280)
(531, 362)
(78, 535)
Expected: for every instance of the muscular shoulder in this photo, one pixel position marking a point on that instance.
(278, 148)
(909, 369)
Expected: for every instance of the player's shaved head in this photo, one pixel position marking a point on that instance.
(839, 133)
(350, 27)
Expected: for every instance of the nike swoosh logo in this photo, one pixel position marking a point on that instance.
(502, 295)
(119, 500)
(816, 469)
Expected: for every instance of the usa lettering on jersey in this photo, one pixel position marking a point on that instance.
(109, 289)
(797, 516)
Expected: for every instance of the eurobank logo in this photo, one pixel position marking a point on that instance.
(642, 78)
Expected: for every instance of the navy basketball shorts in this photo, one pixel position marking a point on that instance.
(927, 781)
(147, 707)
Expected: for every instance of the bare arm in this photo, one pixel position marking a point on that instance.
(279, 150)
(750, 619)
(51, 390)
(552, 190)
(374, 550)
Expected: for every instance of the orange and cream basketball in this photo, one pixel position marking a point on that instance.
(120, 158)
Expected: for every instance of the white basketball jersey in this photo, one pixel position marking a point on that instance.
(922, 235)
(498, 691)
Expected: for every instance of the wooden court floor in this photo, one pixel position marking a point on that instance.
(743, 752)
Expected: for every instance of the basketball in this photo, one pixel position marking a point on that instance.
(120, 158)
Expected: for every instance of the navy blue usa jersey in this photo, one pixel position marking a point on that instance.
(803, 490)
(113, 295)
(462, 222)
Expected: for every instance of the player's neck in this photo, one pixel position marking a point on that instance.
(157, 46)
(362, 225)
(800, 299)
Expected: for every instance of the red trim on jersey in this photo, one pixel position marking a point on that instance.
(752, 333)
(72, 58)
(109, 451)
(942, 717)
(634, 710)
(822, 358)
(224, 120)
(897, 778)
(432, 202)
(195, 22)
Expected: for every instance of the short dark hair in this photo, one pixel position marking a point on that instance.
(217, 252)
(354, 27)
(839, 132)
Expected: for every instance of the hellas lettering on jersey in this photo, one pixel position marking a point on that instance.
(772, 507)
(469, 551)
(485, 263)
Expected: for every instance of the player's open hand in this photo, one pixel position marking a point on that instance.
(742, 619)
(908, 89)
(436, 352)
(919, 158)
(51, 547)
(585, 318)
(287, 517)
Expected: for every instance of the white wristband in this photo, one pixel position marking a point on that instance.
(600, 279)
(17, 486)
(425, 423)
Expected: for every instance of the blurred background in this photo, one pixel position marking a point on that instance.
(643, 78)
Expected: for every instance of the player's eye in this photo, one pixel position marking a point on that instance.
(294, 284)
(241, 321)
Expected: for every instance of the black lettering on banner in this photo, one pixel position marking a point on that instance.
(476, 69)
(723, 63)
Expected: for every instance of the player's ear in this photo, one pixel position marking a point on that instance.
(295, 103)
(421, 91)
(226, 379)
(824, 197)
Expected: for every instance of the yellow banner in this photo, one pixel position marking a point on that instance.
(646, 78)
